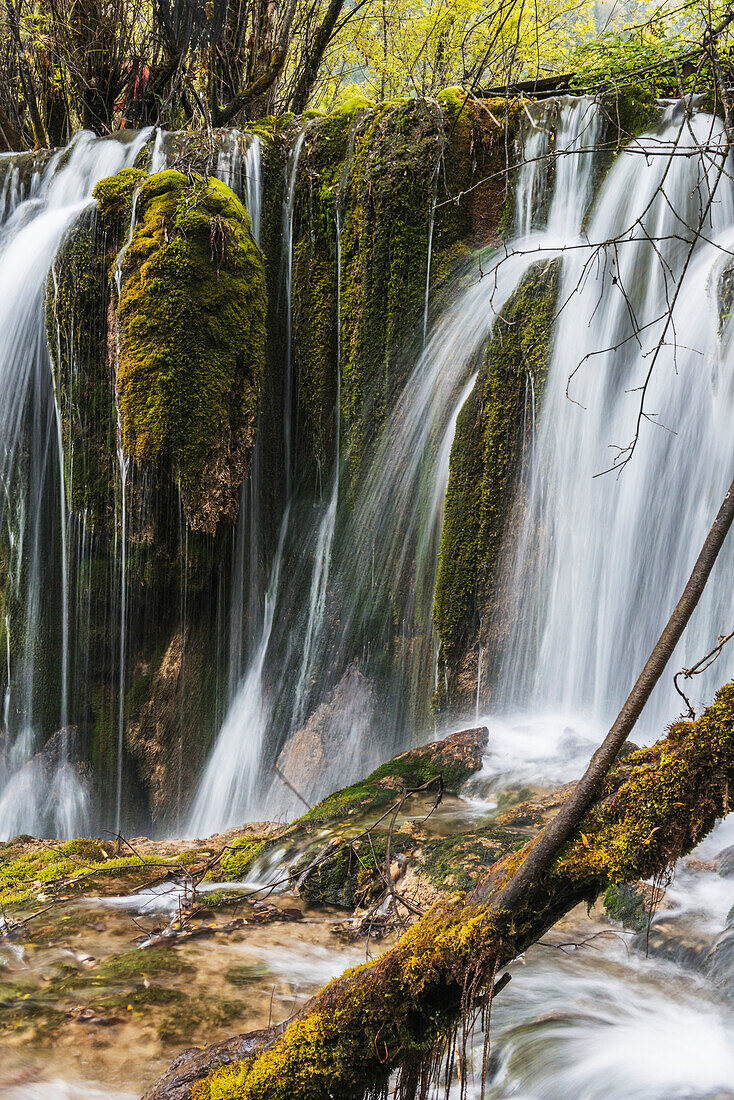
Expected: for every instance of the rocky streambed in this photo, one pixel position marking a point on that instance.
(116, 957)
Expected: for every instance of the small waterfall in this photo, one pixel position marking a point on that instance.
(229, 787)
(289, 203)
(40, 792)
(228, 791)
(600, 561)
(431, 226)
(325, 538)
(254, 185)
(229, 160)
(533, 148)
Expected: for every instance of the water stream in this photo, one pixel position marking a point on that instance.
(40, 795)
(601, 560)
(591, 577)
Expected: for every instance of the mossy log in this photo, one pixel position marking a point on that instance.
(394, 1014)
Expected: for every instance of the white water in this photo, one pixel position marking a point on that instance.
(601, 561)
(243, 175)
(229, 790)
(38, 795)
(394, 546)
(254, 184)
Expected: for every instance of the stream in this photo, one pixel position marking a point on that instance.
(593, 1008)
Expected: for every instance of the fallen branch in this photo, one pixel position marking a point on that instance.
(396, 1013)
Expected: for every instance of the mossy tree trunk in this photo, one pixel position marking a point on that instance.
(396, 1013)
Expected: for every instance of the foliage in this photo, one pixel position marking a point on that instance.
(105, 64)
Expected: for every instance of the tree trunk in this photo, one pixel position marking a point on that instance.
(395, 1013)
(314, 56)
(562, 827)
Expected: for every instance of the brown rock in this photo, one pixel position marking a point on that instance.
(334, 746)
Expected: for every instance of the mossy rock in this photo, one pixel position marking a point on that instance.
(355, 874)
(114, 196)
(191, 319)
(454, 759)
(33, 870)
(339, 881)
(630, 109)
(486, 457)
(238, 859)
(76, 324)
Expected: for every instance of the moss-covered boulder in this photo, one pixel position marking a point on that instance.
(191, 324)
(486, 457)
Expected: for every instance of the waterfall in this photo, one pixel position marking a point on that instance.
(39, 793)
(254, 185)
(228, 790)
(601, 560)
(427, 295)
(384, 565)
(325, 592)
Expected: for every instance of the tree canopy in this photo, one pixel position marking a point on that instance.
(109, 64)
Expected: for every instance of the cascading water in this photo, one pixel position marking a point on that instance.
(386, 563)
(229, 788)
(600, 561)
(44, 793)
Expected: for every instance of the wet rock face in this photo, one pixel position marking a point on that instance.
(164, 735)
(725, 862)
(334, 737)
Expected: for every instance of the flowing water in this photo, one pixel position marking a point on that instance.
(39, 794)
(591, 579)
(601, 560)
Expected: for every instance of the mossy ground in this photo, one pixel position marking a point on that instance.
(35, 871)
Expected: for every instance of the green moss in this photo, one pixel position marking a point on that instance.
(458, 862)
(410, 770)
(486, 456)
(244, 974)
(322, 169)
(654, 791)
(238, 859)
(147, 962)
(631, 109)
(33, 870)
(625, 904)
(355, 874)
(192, 334)
(114, 196)
(76, 321)
(387, 202)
